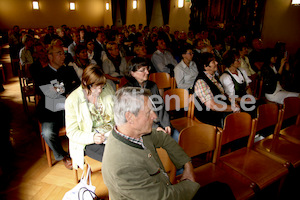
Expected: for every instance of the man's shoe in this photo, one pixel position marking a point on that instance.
(68, 162)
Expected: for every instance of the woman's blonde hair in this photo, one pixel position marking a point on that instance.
(92, 75)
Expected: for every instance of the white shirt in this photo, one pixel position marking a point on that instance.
(160, 60)
(185, 76)
(245, 65)
(227, 81)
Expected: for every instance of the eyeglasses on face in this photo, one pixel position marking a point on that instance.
(143, 69)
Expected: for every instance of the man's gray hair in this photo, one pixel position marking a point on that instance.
(128, 99)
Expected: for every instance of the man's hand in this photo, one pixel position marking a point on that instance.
(99, 138)
(188, 172)
(167, 130)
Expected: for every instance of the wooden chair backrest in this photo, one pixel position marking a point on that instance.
(267, 115)
(162, 79)
(167, 163)
(121, 83)
(236, 126)
(196, 140)
(291, 107)
(176, 99)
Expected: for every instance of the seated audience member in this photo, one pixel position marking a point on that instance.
(90, 49)
(40, 60)
(82, 36)
(245, 64)
(271, 75)
(138, 75)
(14, 41)
(81, 60)
(52, 121)
(190, 37)
(99, 49)
(186, 71)
(150, 43)
(234, 79)
(205, 39)
(128, 42)
(113, 64)
(50, 35)
(162, 59)
(120, 41)
(61, 35)
(89, 116)
(198, 46)
(140, 51)
(257, 55)
(211, 105)
(69, 58)
(76, 41)
(25, 54)
(218, 51)
(140, 173)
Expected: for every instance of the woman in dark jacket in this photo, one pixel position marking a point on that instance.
(271, 75)
(138, 77)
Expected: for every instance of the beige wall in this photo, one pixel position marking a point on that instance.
(107, 15)
(136, 16)
(282, 23)
(179, 17)
(52, 12)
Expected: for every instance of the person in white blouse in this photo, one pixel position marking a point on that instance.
(244, 60)
(235, 80)
(186, 71)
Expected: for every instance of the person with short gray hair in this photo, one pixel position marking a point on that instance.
(131, 100)
(131, 167)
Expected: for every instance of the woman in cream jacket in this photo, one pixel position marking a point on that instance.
(89, 116)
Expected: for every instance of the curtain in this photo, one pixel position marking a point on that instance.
(149, 8)
(165, 8)
(114, 5)
(123, 8)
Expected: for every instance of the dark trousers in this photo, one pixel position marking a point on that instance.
(95, 151)
(214, 191)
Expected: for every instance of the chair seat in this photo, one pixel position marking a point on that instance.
(210, 172)
(95, 164)
(279, 149)
(291, 133)
(183, 122)
(256, 167)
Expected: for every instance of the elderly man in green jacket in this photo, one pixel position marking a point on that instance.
(131, 167)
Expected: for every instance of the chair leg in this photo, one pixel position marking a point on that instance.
(43, 143)
(48, 154)
(75, 175)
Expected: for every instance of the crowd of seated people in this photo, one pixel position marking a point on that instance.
(196, 60)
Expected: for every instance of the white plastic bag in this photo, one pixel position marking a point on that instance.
(84, 190)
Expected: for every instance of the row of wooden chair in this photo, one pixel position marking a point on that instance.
(255, 165)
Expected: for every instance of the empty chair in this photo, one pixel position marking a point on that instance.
(274, 146)
(176, 99)
(259, 169)
(196, 140)
(27, 89)
(291, 109)
(163, 81)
